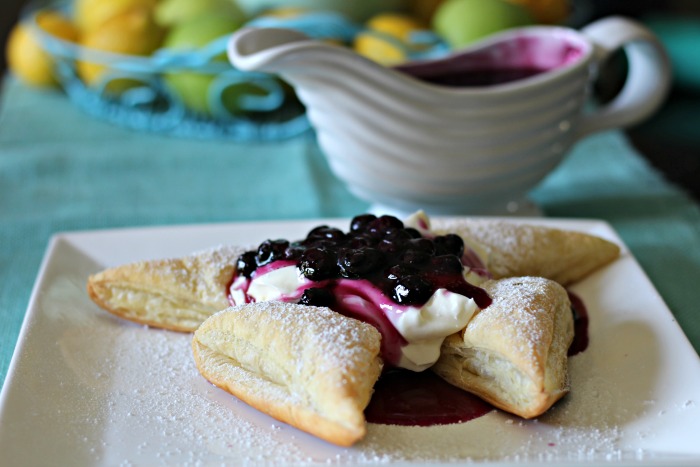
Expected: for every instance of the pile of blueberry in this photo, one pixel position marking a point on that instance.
(406, 266)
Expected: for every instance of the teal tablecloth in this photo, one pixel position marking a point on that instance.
(61, 170)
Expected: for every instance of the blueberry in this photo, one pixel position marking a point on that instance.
(449, 244)
(355, 263)
(246, 264)
(319, 243)
(421, 244)
(399, 235)
(294, 252)
(360, 223)
(390, 247)
(317, 296)
(324, 232)
(383, 226)
(446, 264)
(415, 257)
(359, 241)
(318, 264)
(411, 290)
(271, 250)
(399, 271)
(411, 232)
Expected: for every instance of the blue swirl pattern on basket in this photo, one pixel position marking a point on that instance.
(147, 104)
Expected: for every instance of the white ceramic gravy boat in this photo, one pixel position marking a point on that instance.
(405, 143)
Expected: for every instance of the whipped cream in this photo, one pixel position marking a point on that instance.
(421, 329)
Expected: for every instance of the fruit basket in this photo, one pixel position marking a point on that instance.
(150, 93)
(191, 93)
(153, 74)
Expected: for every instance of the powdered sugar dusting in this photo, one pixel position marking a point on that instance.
(517, 243)
(155, 399)
(320, 347)
(205, 272)
(530, 306)
(515, 249)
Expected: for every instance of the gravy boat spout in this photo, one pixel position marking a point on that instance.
(470, 133)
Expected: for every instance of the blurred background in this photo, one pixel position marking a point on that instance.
(670, 140)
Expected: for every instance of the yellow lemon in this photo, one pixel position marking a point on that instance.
(131, 33)
(91, 14)
(547, 11)
(387, 52)
(395, 24)
(378, 49)
(57, 25)
(27, 58)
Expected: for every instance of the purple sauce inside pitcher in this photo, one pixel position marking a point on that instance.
(512, 59)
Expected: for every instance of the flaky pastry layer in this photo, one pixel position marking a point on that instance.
(513, 354)
(511, 249)
(307, 366)
(176, 294)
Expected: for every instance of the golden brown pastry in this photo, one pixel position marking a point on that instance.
(306, 366)
(176, 294)
(510, 249)
(513, 353)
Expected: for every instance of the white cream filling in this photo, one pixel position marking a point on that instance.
(276, 284)
(424, 328)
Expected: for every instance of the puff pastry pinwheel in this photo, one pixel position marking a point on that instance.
(315, 368)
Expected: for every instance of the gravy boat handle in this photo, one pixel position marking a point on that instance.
(648, 79)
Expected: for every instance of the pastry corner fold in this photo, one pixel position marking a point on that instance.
(306, 366)
(513, 354)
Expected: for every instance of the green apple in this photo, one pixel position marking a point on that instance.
(169, 13)
(192, 87)
(461, 22)
(357, 10)
(200, 30)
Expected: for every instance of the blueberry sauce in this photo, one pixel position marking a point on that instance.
(406, 398)
(512, 60)
(485, 77)
(578, 308)
(403, 397)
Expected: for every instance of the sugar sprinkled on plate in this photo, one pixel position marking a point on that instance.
(155, 395)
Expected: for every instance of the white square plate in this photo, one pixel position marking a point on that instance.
(85, 388)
